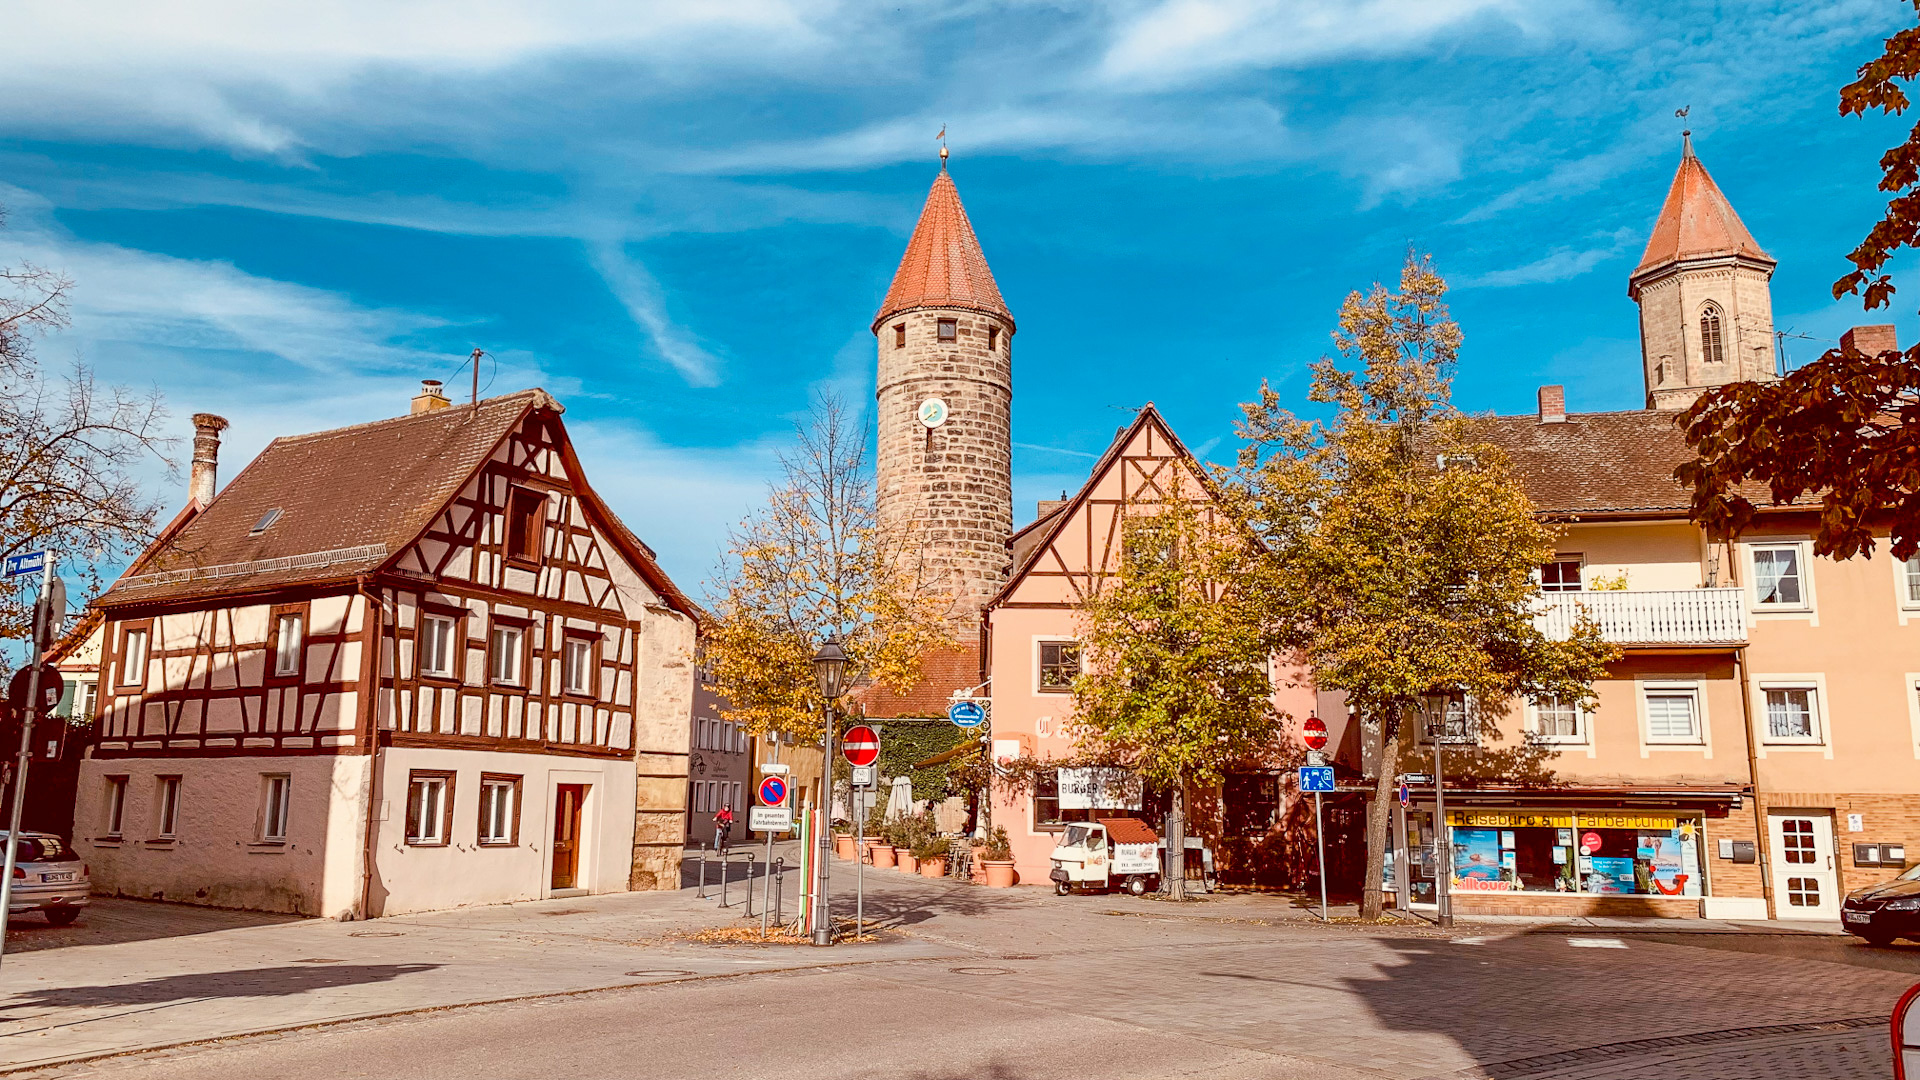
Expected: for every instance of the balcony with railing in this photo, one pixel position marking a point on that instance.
(1669, 617)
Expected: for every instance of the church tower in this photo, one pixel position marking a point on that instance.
(945, 390)
(1706, 312)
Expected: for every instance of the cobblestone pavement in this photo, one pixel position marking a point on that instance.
(1014, 985)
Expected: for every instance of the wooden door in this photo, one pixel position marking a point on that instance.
(567, 802)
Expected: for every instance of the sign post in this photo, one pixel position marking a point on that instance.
(773, 796)
(1318, 778)
(861, 747)
(49, 611)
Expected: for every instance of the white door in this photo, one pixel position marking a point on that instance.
(1804, 883)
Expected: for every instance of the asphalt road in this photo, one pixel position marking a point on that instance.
(1027, 986)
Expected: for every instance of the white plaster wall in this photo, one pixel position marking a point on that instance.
(216, 858)
(462, 873)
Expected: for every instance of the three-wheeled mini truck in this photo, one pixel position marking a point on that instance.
(1117, 853)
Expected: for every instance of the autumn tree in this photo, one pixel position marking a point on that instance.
(1845, 427)
(1175, 683)
(70, 449)
(813, 562)
(1405, 549)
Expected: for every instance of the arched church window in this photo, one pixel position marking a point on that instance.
(1712, 349)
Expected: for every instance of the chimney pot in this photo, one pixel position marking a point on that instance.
(1553, 404)
(431, 397)
(1871, 340)
(205, 476)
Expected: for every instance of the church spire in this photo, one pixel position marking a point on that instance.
(1697, 220)
(943, 266)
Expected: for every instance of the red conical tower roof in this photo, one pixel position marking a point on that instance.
(1697, 220)
(943, 266)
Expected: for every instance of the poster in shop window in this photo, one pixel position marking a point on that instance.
(1610, 875)
(1667, 860)
(1476, 861)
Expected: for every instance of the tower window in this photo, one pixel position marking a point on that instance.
(1711, 349)
(993, 338)
(949, 330)
(900, 335)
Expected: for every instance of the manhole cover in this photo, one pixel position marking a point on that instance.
(376, 933)
(981, 971)
(656, 973)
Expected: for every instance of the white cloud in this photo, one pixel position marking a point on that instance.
(646, 304)
(1560, 264)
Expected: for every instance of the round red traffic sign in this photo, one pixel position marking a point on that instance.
(860, 745)
(1314, 733)
(773, 791)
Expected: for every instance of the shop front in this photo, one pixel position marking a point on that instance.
(1563, 859)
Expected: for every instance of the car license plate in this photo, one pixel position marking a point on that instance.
(64, 875)
(1858, 916)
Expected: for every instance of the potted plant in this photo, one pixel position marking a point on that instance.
(998, 860)
(907, 832)
(931, 853)
(882, 849)
(843, 843)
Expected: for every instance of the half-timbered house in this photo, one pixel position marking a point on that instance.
(405, 665)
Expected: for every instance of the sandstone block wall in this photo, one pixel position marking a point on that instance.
(1671, 302)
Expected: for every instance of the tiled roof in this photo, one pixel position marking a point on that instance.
(1595, 462)
(1126, 830)
(943, 266)
(1697, 221)
(348, 501)
(942, 671)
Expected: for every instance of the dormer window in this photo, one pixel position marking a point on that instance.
(949, 329)
(526, 514)
(900, 335)
(1712, 350)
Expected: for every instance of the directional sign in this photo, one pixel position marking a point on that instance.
(27, 562)
(860, 745)
(769, 819)
(966, 714)
(773, 791)
(1314, 733)
(1316, 778)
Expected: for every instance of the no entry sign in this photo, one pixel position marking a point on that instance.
(860, 745)
(773, 791)
(1314, 733)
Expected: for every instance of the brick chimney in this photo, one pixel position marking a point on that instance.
(206, 457)
(1553, 404)
(1872, 340)
(430, 398)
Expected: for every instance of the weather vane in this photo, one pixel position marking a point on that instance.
(1680, 112)
(943, 145)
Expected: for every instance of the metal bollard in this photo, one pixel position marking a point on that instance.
(703, 869)
(726, 871)
(750, 868)
(779, 887)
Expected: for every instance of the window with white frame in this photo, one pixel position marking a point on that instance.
(505, 646)
(429, 807)
(133, 658)
(436, 646)
(276, 799)
(116, 805)
(499, 810)
(1561, 575)
(287, 645)
(1673, 713)
(1558, 720)
(166, 807)
(1793, 713)
(86, 696)
(1779, 576)
(1910, 581)
(576, 666)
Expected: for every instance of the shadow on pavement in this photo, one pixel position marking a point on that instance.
(215, 985)
(110, 920)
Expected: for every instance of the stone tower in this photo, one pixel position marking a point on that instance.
(946, 339)
(1706, 313)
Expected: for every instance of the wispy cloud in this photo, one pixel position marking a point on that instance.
(646, 303)
(1560, 264)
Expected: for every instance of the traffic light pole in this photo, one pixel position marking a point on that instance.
(43, 614)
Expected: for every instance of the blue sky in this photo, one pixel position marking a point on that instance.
(680, 218)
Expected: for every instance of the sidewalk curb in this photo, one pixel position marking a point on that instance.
(313, 1025)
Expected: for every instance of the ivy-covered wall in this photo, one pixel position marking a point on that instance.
(903, 742)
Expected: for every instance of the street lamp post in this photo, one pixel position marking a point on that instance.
(830, 674)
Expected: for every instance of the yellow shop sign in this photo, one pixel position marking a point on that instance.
(1511, 819)
(1659, 822)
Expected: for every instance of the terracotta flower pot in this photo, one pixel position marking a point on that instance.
(977, 866)
(843, 845)
(935, 867)
(882, 856)
(907, 862)
(999, 874)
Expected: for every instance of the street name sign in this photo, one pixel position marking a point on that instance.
(1316, 778)
(27, 562)
(966, 714)
(770, 819)
(773, 791)
(860, 745)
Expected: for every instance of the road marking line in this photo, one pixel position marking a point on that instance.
(1596, 943)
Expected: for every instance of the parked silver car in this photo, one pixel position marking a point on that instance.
(48, 877)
